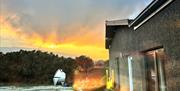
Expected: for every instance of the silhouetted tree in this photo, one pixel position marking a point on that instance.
(84, 62)
(33, 67)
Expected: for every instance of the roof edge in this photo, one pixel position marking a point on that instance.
(111, 27)
(152, 9)
(123, 22)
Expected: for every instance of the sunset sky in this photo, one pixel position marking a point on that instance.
(64, 27)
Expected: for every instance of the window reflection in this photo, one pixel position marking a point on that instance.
(148, 71)
(155, 70)
(151, 72)
(140, 72)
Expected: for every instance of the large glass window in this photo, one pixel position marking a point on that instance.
(155, 70)
(137, 78)
(146, 71)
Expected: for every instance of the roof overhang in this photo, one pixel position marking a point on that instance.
(111, 29)
(154, 7)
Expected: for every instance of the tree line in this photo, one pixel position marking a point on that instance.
(37, 67)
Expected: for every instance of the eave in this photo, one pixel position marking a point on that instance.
(111, 29)
(152, 9)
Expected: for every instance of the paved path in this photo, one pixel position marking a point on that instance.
(36, 88)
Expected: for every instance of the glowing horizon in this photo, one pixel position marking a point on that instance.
(51, 44)
(64, 27)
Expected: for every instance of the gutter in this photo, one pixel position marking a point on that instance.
(149, 16)
(139, 16)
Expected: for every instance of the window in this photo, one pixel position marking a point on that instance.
(147, 71)
(155, 70)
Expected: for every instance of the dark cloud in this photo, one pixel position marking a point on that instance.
(68, 17)
(73, 27)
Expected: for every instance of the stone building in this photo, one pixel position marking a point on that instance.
(144, 53)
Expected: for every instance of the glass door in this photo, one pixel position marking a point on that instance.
(151, 72)
(146, 71)
(155, 76)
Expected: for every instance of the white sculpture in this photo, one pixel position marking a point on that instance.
(59, 77)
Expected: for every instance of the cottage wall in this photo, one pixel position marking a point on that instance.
(163, 29)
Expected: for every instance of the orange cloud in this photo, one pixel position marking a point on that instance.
(8, 33)
(84, 42)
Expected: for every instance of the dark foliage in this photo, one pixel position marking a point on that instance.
(84, 63)
(34, 67)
